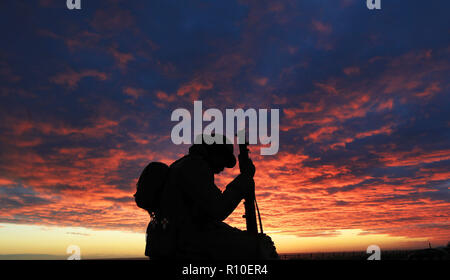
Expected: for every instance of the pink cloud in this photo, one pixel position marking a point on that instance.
(430, 90)
(194, 88)
(122, 58)
(161, 95)
(135, 93)
(261, 81)
(321, 27)
(387, 105)
(329, 88)
(71, 78)
(351, 71)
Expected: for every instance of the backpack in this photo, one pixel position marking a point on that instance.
(150, 185)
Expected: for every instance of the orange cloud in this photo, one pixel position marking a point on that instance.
(194, 87)
(321, 133)
(415, 157)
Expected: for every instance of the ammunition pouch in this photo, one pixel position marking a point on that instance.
(161, 239)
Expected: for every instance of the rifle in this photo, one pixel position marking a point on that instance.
(266, 247)
(250, 199)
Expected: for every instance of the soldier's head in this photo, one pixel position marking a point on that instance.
(219, 156)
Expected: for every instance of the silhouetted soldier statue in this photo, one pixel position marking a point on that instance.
(189, 223)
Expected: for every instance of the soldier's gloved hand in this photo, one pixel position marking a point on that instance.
(247, 167)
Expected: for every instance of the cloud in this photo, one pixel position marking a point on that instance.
(193, 88)
(414, 157)
(261, 81)
(321, 27)
(352, 70)
(71, 78)
(16, 196)
(135, 93)
(121, 58)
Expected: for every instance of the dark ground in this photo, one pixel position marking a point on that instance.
(423, 254)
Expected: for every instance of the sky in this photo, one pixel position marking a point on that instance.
(86, 98)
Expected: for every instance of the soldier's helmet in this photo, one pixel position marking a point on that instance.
(219, 143)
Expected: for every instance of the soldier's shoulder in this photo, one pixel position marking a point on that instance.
(191, 162)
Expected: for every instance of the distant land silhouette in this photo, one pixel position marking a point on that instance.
(400, 254)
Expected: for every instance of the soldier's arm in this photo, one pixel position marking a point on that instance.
(215, 204)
